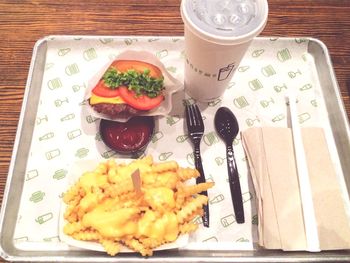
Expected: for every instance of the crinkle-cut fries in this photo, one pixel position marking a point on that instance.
(103, 206)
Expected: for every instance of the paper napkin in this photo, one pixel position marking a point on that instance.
(272, 166)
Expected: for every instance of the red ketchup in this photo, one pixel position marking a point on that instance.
(127, 137)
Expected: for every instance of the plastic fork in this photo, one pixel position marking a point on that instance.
(195, 128)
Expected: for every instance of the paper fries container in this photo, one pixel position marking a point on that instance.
(171, 85)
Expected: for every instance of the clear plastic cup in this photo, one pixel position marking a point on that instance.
(217, 35)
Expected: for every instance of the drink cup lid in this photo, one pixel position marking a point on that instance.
(225, 22)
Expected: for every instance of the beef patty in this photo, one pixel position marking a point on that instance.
(114, 110)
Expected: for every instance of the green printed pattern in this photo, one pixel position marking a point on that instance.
(65, 133)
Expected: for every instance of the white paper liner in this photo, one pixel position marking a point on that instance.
(255, 95)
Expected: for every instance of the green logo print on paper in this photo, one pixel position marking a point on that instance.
(306, 87)
(211, 239)
(165, 156)
(157, 136)
(82, 152)
(49, 66)
(213, 103)
(219, 160)
(55, 83)
(77, 87)
(63, 51)
(60, 102)
(32, 174)
(46, 136)
(181, 138)
(257, 53)
(247, 196)
(278, 88)
(108, 154)
(236, 141)
(190, 158)
(91, 119)
(74, 134)
(242, 239)
(130, 41)
(303, 117)
(240, 102)
(68, 117)
(278, 117)
(89, 54)
(300, 40)
(294, 74)
(98, 137)
(83, 103)
(44, 218)
(162, 53)
(268, 71)
(243, 68)
(313, 103)
(231, 84)
(197, 220)
(250, 122)
(37, 196)
(266, 103)
(40, 120)
(106, 40)
(217, 199)
(52, 154)
(20, 239)
(227, 220)
(284, 55)
(72, 69)
(210, 138)
(60, 174)
(52, 239)
(153, 39)
(171, 120)
(255, 85)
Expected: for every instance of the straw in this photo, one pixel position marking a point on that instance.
(311, 232)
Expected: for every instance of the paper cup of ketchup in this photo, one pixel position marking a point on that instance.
(130, 137)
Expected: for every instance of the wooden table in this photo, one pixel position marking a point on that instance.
(23, 22)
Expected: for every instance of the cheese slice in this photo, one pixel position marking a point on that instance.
(94, 99)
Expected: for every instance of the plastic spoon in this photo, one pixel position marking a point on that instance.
(227, 127)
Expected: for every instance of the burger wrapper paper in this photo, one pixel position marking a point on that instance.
(171, 85)
(272, 165)
(66, 131)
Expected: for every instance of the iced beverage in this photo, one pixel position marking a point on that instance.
(217, 35)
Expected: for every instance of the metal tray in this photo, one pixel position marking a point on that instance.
(337, 121)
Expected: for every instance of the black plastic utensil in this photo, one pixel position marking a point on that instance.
(195, 128)
(227, 127)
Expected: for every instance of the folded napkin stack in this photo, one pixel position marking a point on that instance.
(272, 166)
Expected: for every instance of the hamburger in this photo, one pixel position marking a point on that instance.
(128, 87)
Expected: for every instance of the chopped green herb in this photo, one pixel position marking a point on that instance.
(140, 83)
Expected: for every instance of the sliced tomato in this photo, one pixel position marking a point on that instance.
(139, 66)
(102, 90)
(141, 102)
